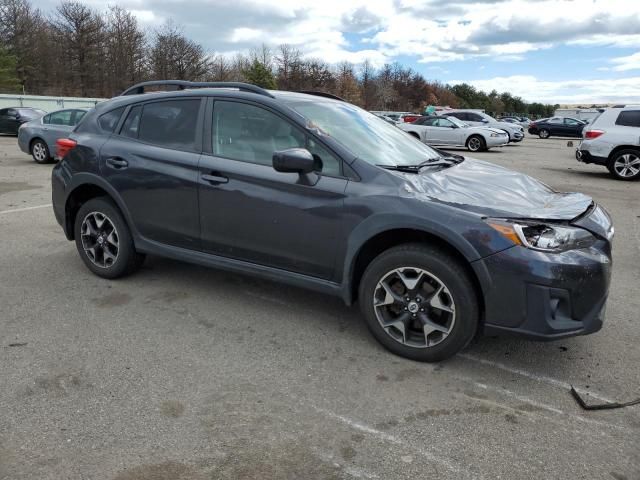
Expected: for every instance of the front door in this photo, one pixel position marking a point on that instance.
(250, 212)
(152, 161)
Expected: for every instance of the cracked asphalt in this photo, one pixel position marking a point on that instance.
(186, 373)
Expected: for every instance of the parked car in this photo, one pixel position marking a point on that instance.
(317, 193)
(449, 131)
(477, 118)
(38, 137)
(522, 121)
(557, 126)
(613, 140)
(12, 118)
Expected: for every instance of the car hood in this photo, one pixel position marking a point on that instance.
(502, 125)
(491, 190)
(487, 129)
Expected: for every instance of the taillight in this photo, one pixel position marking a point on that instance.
(64, 146)
(591, 134)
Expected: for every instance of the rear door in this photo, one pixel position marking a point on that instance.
(152, 161)
(251, 212)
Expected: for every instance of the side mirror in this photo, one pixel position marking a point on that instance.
(294, 160)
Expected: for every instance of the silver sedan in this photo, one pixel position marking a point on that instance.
(38, 137)
(449, 131)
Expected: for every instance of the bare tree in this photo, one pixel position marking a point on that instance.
(174, 56)
(125, 50)
(79, 32)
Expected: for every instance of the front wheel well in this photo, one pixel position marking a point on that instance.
(392, 238)
(76, 199)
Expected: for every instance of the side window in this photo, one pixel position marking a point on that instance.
(77, 116)
(12, 112)
(132, 123)
(429, 122)
(46, 119)
(109, 120)
(474, 117)
(554, 120)
(3, 112)
(443, 122)
(570, 121)
(328, 163)
(251, 134)
(460, 115)
(62, 117)
(629, 118)
(170, 123)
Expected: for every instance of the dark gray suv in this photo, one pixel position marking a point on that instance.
(309, 190)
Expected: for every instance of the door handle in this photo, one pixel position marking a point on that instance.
(117, 163)
(215, 178)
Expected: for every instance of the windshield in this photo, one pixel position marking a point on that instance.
(458, 122)
(361, 132)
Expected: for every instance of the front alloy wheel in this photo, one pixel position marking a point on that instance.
(419, 302)
(414, 307)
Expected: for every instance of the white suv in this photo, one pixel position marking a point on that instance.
(613, 140)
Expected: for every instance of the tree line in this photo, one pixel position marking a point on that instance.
(79, 51)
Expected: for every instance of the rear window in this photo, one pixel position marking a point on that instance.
(109, 120)
(170, 123)
(629, 118)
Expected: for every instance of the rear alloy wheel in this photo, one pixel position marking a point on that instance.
(419, 303)
(544, 133)
(475, 143)
(40, 152)
(625, 165)
(103, 239)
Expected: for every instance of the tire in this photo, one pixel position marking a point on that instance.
(544, 133)
(40, 151)
(114, 256)
(476, 143)
(625, 165)
(388, 304)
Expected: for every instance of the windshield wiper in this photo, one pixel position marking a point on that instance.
(432, 162)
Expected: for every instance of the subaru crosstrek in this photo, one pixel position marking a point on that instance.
(308, 190)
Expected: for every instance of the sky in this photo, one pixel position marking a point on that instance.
(552, 51)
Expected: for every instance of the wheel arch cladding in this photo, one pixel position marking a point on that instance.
(619, 148)
(386, 239)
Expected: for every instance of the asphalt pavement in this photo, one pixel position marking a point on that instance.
(185, 373)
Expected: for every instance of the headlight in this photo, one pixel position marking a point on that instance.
(495, 134)
(542, 236)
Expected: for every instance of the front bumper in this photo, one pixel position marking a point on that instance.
(516, 136)
(547, 296)
(497, 141)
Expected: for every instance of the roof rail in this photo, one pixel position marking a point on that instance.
(322, 94)
(140, 88)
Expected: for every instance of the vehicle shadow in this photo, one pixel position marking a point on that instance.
(278, 299)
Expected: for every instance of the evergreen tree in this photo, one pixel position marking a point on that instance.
(9, 82)
(258, 74)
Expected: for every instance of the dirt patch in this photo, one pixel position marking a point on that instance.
(111, 300)
(167, 297)
(162, 471)
(56, 385)
(172, 408)
(6, 187)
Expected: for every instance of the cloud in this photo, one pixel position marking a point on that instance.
(623, 64)
(532, 89)
(424, 31)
